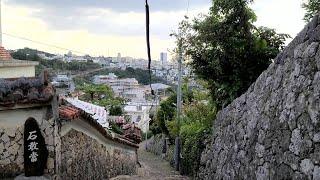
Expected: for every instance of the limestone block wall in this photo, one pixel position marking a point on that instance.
(11, 139)
(84, 157)
(273, 130)
(155, 145)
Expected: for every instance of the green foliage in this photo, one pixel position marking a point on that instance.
(141, 75)
(167, 111)
(69, 66)
(153, 126)
(115, 111)
(192, 148)
(57, 65)
(198, 116)
(102, 95)
(115, 128)
(227, 50)
(97, 91)
(164, 113)
(196, 125)
(111, 101)
(312, 7)
(149, 134)
(80, 81)
(26, 54)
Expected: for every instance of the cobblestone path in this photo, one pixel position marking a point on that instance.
(153, 168)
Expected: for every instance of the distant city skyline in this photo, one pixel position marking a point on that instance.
(104, 28)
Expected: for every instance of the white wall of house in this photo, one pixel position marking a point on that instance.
(139, 116)
(17, 117)
(15, 72)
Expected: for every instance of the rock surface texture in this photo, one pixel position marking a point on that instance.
(12, 145)
(273, 130)
(85, 158)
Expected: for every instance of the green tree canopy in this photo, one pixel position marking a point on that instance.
(97, 91)
(227, 50)
(142, 76)
(115, 111)
(103, 95)
(312, 7)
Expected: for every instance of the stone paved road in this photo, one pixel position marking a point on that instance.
(153, 168)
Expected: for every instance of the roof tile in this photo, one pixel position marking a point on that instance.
(4, 54)
(25, 91)
(70, 112)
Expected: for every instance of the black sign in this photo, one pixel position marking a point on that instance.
(35, 150)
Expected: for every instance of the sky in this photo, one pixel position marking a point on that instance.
(106, 27)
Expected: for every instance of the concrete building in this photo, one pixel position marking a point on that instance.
(135, 95)
(163, 58)
(119, 57)
(160, 89)
(119, 86)
(61, 80)
(12, 68)
(139, 115)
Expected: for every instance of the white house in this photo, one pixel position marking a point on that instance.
(12, 68)
(138, 115)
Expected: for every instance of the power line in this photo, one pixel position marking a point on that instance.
(188, 7)
(43, 43)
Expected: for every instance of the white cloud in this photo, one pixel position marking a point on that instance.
(18, 21)
(95, 31)
(286, 16)
(99, 31)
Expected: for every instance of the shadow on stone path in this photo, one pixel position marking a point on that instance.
(153, 168)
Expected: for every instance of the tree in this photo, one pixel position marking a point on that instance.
(103, 95)
(312, 7)
(97, 91)
(166, 113)
(115, 111)
(227, 50)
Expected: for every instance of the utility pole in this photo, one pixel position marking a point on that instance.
(179, 95)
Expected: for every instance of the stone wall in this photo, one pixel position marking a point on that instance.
(155, 145)
(77, 148)
(273, 130)
(11, 139)
(85, 158)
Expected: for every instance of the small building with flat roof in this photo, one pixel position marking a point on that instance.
(12, 68)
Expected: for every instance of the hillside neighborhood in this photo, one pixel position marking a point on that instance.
(156, 90)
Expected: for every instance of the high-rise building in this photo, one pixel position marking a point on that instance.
(163, 58)
(119, 57)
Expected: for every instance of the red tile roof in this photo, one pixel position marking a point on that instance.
(133, 132)
(4, 54)
(70, 112)
(24, 91)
